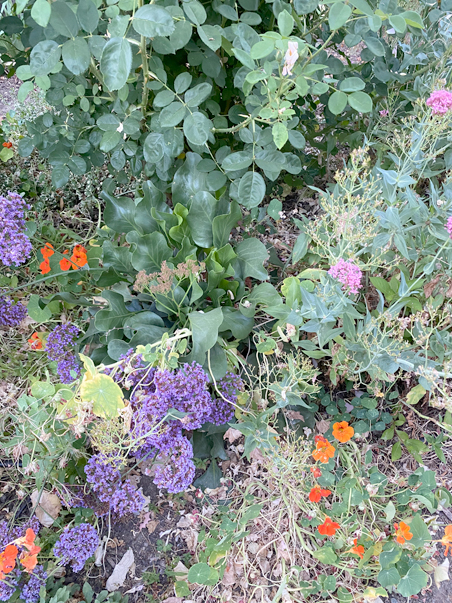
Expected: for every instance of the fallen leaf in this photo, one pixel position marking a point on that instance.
(191, 538)
(229, 577)
(428, 287)
(181, 571)
(232, 435)
(323, 426)
(117, 578)
(135, 589)
(99, 554)
(185, 522)
(152, 526)
(256, 455)
(47, 507)
(442, 572)
(173, 600)
(282, 550)
(294, 415)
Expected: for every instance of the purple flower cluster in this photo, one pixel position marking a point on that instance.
(15, 246)
(9, 585)
(11, 314)
(30, 590)
(76, 545)
(175, 469)
(348, 274)
(102, 472)
(58, 347)
(8, 534)
(440, 101)
(448, 227)
(222, 411)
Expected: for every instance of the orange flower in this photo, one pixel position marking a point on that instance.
(343, 432)
(357, 549)
(47, 251)
(44, 267)
(29, 561)
(35, 342)
(328, 528)
(65, 264)
(8, 145)
(446, 540)
(315, 495)
(8, 560)
(316, 472)
(324, 451)
(28, 541)
(79, 257)
(402, 532)
(319, 438)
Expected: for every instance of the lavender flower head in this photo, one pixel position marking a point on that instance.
(448, 227)
(221, 410)
(11, 314)
(15, 246)
(127, 499)
(348, 274)
(102, 472)
(440, 102)
(76, 545)
(30, 590)
(177, 470)
(9, 585)
(58, 347)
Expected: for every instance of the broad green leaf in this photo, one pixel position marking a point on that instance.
(337, 102)
(210, 35)
(262, 49)
(40, 12)
(251, 190)
(301, 247)
(363, 7)
(23, 92)
(198, 94)
(415, 394)
(251, 255)
(154, 147)
(109, 141)
(412, 19)
(172, 115)
(200, 218)
(398, 23)
(42, 389)
(115, 315)
(420, 532)
(223, 224)
(76, 55)
(87, 15)
(352, 84)
(375, 46)
(237, 161)
(149, 252)
(60, 176)
(280, 134)
(297, 139)
(63, 19)
(285, 23)
(44, 57)
(339, 14)
(304, 7)
(195, 11)
(210, 479)
(388, 577)
(390, 511)
(104, 394)
(197, 128)
(23, 72)
(396, 451)
(183, 81)
(325, 555)
(414, 581)
(244, 58)
(118, 258)
(151, 20)
(361, 102)
(204, 327)
(116, 63)
(35, 312)
(234, 321)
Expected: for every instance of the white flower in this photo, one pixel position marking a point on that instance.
(290, 58)
(120, 128)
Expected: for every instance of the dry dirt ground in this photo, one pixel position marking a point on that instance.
(8, 94)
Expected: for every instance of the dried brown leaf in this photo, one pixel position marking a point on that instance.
(47, 507)
(232, 435)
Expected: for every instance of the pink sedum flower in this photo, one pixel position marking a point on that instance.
(290, 58)
(440, 102)
(449, 226)
(384, 113)
(348, 274)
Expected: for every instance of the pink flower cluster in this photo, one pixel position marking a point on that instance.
(440, 101)
(348, 274)
(449, 226)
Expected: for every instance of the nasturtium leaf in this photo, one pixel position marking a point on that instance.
(40, 12)
(388, 577)
(325, 555)
(63, 19)
(35, 312)
(76, 55)
(419, 529)
(104, 394)
(197, 128)
(251, 190)
(151, 20)
(361, 102)
(116, 63)
(339, 14)
(44, 57)
(42, 389)
(413, 582)
(337, 102)
(87, 15)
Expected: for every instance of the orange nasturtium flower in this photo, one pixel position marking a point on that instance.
(35, 342)
(79, 257)
(446, 540)
(47, 251)
(402, 532)
(316, 494)
(323, 451)
(44, 267)
(343, 432)
(358, 549)
(65, 264)
(316, 472)
(8, 560)
(8, 145)
(29, 558)
(328, 527)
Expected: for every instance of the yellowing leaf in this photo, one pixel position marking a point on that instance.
(104, 394)
(442, 572)
(415, 394)
(89, 366)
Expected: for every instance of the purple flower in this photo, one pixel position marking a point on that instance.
(177, 470)
(11, 314)
(9, 585)
(15, 246)
(102, 472)
(440, 101)
(348, 274)
(449, 226)
(384, 113)
(76, 545)
(59, 349)
(127, 499)
(221, 410)
(30, 590)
